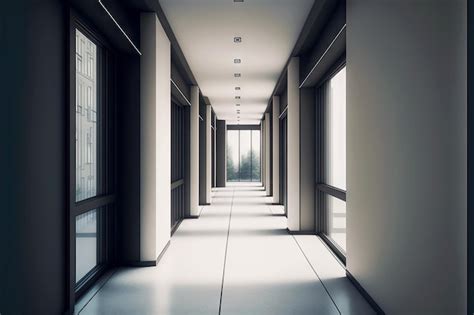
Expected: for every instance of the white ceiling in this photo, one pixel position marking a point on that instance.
(205, 30)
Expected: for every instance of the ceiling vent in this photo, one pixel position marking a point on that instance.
(237, 60)
(237, 39)
(237, 75)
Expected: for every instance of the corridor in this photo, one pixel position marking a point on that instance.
(237, 258)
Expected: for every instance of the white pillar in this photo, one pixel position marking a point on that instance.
(194, 152)
(208, 154)
(293, 145)
(276, 149)
(155, 137)
(267, 154)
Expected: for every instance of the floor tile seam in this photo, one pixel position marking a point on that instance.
(316, 273)
(226, 248)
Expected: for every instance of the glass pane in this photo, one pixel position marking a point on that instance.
(336, 210)
(86, 243)
(256, 155)
(335, 111)
(232, 155)
(86, 117)
(245, 156)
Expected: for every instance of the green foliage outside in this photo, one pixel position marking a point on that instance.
(249, 167)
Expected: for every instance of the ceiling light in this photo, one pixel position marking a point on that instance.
(237, 39)
(237, 88)
(237, 60)
(237, 75)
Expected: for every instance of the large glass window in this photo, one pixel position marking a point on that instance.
(233, 155)
(332, 186)
(86, 117)
(86, 243)
(92, 149)
(243, 155)
(335, 133)
(255, 157)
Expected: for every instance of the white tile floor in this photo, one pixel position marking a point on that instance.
(237, 258)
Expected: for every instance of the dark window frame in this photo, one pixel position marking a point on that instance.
(104, 201)
(322, 189)
(178, 161)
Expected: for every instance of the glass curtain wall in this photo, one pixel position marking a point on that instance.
(243, 156)
(92, 147)
(87, 145)
(332, 187)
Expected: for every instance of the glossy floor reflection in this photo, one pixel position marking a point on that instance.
(237, 258)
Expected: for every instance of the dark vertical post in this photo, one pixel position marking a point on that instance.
(221, 160)
(470, 160)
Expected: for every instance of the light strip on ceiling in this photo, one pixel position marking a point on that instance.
(187, 101)
(120, 28)
(324, 54)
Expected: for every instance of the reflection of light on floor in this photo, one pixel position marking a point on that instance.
(265, 270)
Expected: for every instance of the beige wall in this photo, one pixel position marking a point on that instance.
(155, 137)
(406, 153)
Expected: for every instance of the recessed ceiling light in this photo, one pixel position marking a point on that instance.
(237, 75)
(237, 60)
(237, 97)
(237, 88)
(237, 39)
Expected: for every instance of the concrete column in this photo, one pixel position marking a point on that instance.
(267, 154)
(276, 149)
(194, 158)
(221, 158)
(208, 154)
(293, 145)
(155, 137)
(307, 159)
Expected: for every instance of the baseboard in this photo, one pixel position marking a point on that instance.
(365, 294)
(163, 252)
(149, 263)
(175, 227)
(145, 263)
(300, 232)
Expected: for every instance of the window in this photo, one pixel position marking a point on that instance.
(91, 159)
(243, 155)
(86, 243)
(178, 121)
(86, 128)
(331, 189)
